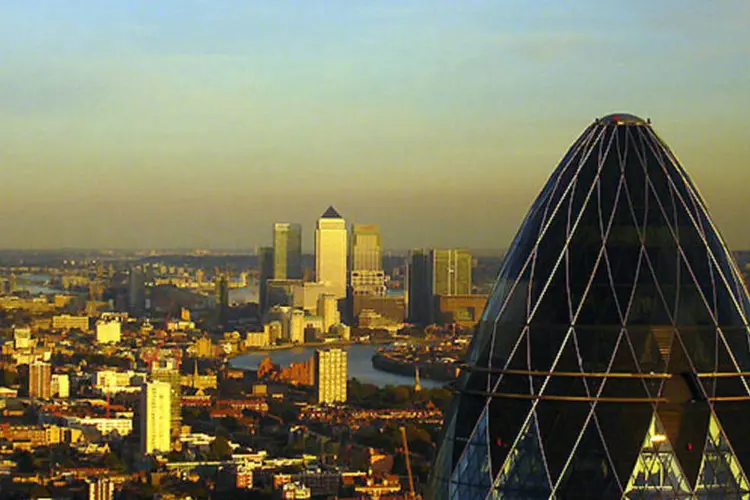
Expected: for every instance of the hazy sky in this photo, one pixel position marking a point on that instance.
(199, 123)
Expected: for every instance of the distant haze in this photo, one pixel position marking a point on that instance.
(197, 124)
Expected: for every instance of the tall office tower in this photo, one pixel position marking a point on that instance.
(366, 276)
(328, 310)
(330, 252)
(167, 370)
(612, 355)
(287, 251)
(331, 375)
(366, 250)
(156, 398)
(419, 287)
(221, 294)
(297, 326)
(40, 380)
(108, 332)
(450, 272)
(136, 292)
(265, 273)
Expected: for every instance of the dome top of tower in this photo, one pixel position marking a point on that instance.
(623, 119)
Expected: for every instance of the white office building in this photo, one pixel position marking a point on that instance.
(330, 252)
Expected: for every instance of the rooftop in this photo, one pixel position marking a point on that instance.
(623, 119)
(331, 213)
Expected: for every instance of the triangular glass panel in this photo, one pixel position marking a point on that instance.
(552, 306)
(589, 475)
(657, 470)
(700, 346)
(545, 339)
(685, 423)
(623, 250)
(600, 306)
(651, 346)
(721, 473)
(506, 418)
(523, 475)
(473, 469)
(580, 265)
(647, 306)
(692, 308)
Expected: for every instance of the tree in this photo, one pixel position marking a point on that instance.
(220, 449)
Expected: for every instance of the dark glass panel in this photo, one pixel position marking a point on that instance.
(700, 346)
(596, 346)
(590, 475)
(686, 426)
(584, 249)
(624, 428)
(525, 477)
(546, 341)
(506, 340)
(548, 253)
(625, 388)
(610, 178)
(651, 346)
(691, 308)
(567, 169)
(552, 307)
(733, 418)
(623, 250)
(635, 181)
(560, 423)
(467, 414)
(600, 307)
(685, 422)
(506, 418)
(585, 182)
(738, 340)
(661, 188)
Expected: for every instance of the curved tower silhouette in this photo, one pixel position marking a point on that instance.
(612, 359)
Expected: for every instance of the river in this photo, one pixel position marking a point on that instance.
(360, 364)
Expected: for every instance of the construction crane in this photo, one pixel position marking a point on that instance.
(412, 494)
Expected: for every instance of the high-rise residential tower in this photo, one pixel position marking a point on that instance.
(155, 417)
(40, 380)
(611, 359)
(167, 370)
(331, 375)
(330, 252)
(287, 251)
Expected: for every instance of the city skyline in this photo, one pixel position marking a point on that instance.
(133, 125)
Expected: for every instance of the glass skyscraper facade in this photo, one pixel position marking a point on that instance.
(287, 249)
(611, 360)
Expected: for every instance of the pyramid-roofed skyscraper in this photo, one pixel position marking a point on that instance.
(612, 358)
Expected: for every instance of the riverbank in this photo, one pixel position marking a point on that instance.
(442, 372)
(306, 345)
(360, 364)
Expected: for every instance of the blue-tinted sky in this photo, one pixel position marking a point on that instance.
(199, 123)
